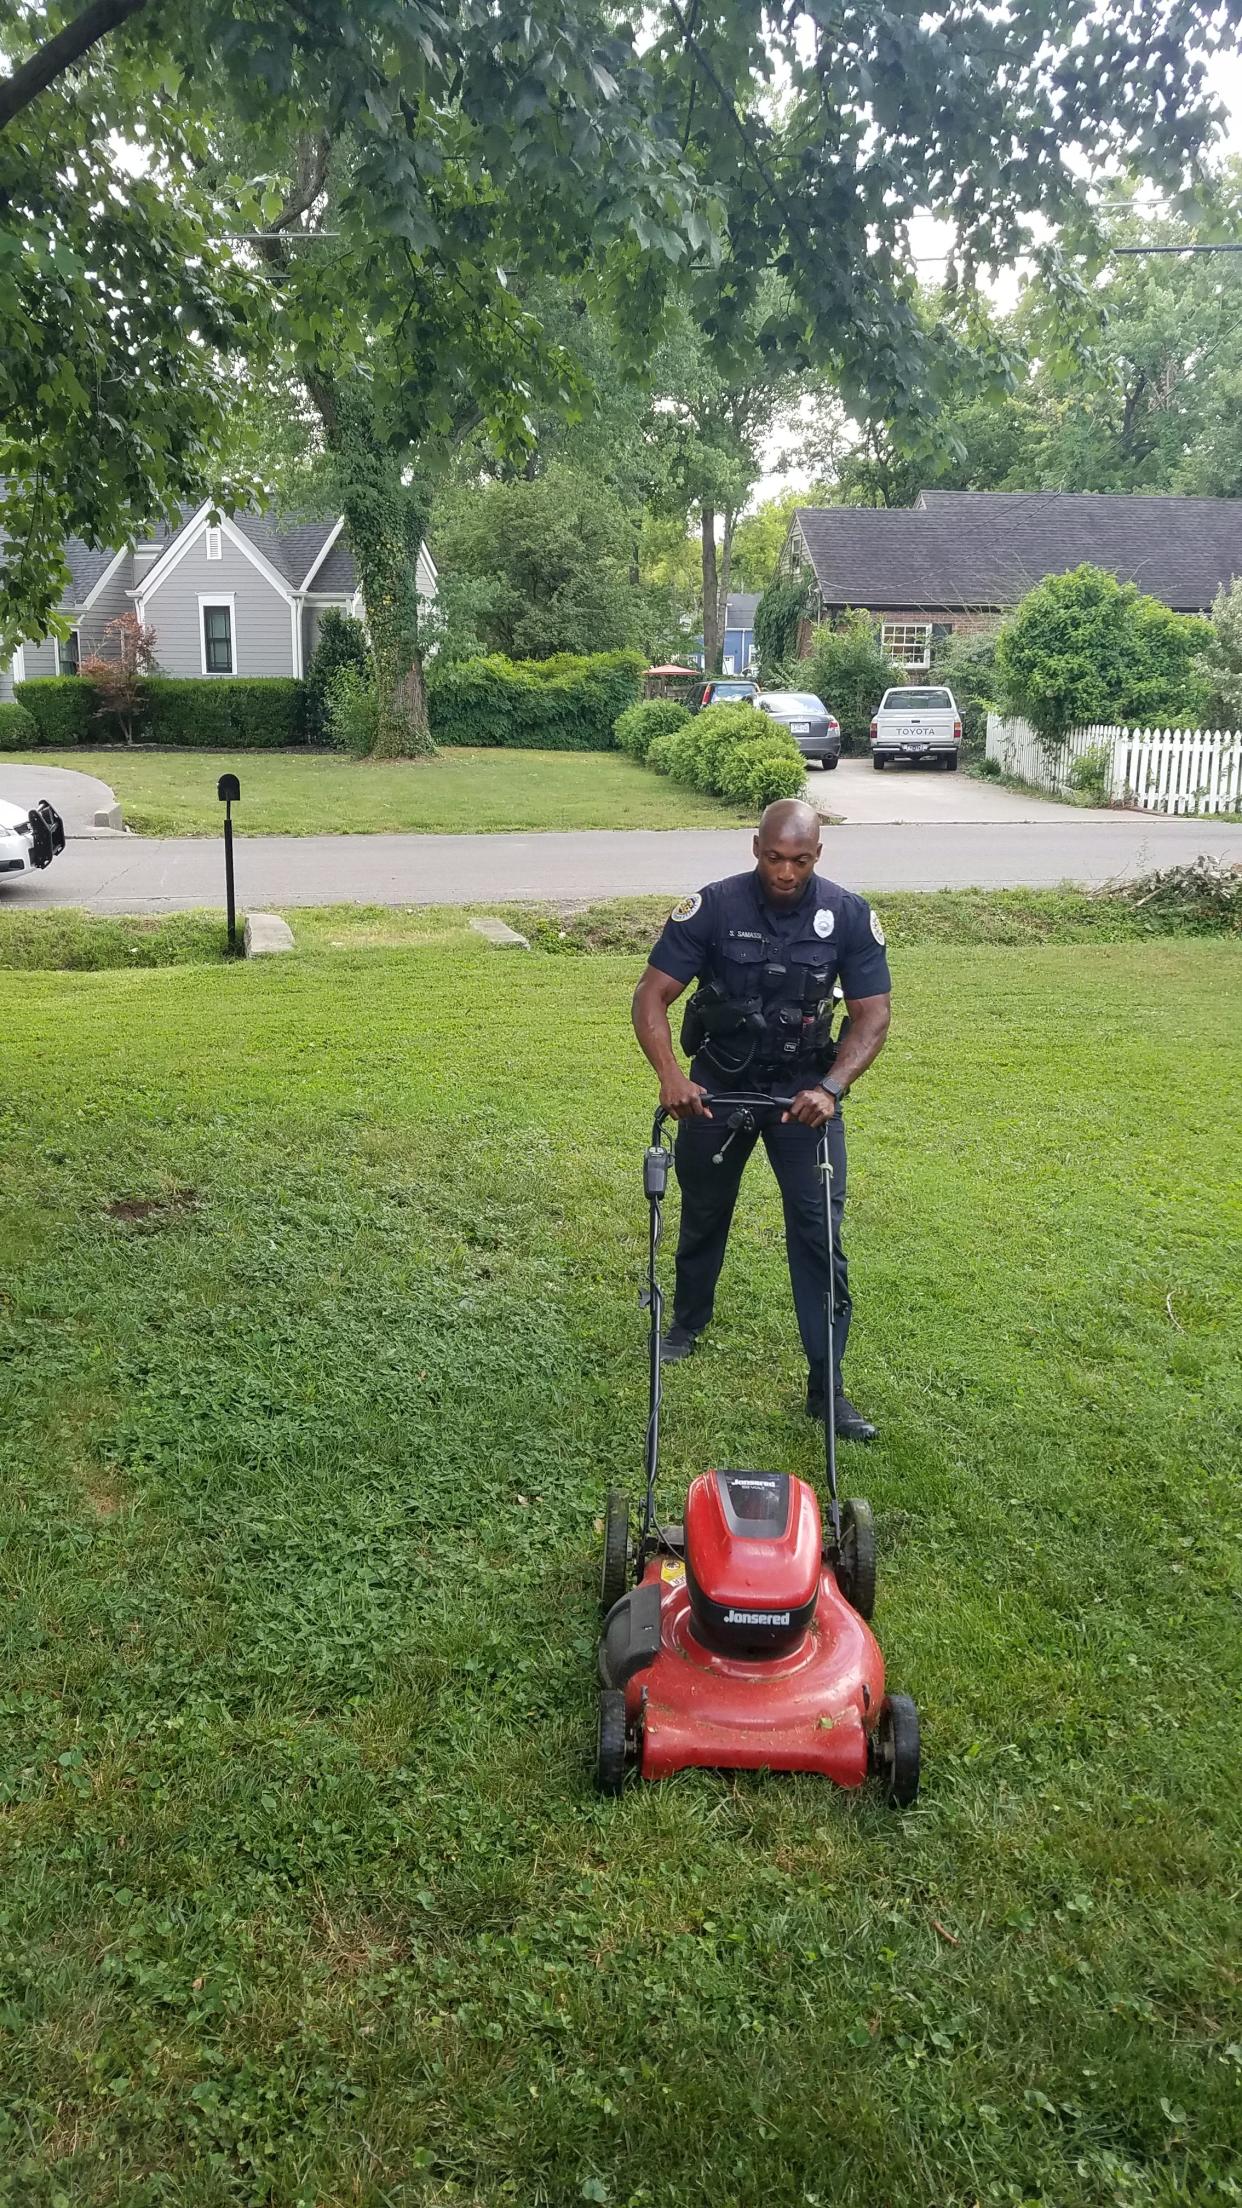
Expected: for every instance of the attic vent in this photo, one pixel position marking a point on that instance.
(215, 550)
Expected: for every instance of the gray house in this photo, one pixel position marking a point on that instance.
(956, 559)
(240, 595)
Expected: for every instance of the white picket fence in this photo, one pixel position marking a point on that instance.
(1159, 770)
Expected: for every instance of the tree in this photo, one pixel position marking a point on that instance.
(1221, 664)
(408, 172)
(759, 538)
(341, 643)
(118, 676)
(778, 617)
(1083, 648)
(553, 555)
(847, 667)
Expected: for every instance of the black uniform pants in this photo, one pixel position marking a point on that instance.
(708, 1194)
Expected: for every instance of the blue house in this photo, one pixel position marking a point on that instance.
(738, 648)
(738, 643)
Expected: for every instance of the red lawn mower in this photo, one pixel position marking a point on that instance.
(739, 1639)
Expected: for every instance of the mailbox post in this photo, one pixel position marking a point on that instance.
(228, 790)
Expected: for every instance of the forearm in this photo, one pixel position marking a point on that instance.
(860, 1045)
(655, 1037)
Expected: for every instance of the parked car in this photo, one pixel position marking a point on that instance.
(725, 690)
(30, 840)
(917, 724)
(815, 731)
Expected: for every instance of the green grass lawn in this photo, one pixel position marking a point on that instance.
(173, 793)
(319, 1341)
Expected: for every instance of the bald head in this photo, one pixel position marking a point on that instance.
(790, 815)
(786, 847)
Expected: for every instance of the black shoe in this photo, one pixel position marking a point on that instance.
(677, 1343)
(848, 1423)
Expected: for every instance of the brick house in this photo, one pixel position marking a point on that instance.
(956, 560)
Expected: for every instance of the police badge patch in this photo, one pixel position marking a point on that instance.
(687, 908)
(877, 930)
(824, 923)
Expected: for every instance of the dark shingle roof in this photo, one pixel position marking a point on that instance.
(987, 548)
(338, 571)
(290, 542)
(86, 565)
(741, 609)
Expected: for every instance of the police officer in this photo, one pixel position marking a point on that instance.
(766, 949)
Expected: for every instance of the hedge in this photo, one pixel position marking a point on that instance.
(637, 728)
(18, 731)
(233, 712)
(567, 703)
(731, 751)
(63, 709)
(238, 712)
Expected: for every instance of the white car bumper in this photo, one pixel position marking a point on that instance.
(30, 842)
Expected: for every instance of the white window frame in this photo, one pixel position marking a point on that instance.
(217, 601)
(215, 543)
(75, 631)
(907, 642)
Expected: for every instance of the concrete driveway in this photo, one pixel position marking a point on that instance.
(77, 797)
(915, 793)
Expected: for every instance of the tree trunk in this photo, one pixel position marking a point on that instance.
(385, 522)
(711, 595)
(726, 563)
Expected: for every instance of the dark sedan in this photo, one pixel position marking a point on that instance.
(815, 731)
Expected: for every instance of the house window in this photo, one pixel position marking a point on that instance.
(908, 642)
(215, 548)
(68, 654)
(217, 640)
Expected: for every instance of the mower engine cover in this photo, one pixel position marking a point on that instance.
(754, 1554)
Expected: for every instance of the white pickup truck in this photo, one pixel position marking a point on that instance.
(916, 724)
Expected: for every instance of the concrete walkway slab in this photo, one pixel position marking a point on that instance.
(77, 797)
(277, 873)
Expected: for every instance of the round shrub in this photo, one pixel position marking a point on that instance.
(17, 730)
(663, 751)
(638, 727)
(719, 729)
(757, 773)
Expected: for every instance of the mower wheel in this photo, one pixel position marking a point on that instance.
(855, 1566)
(610, 1742)
(614, 1577)
(895, 1750)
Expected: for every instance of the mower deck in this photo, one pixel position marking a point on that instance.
(810, 1710)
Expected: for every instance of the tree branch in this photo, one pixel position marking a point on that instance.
(314, 155)
(60, 53)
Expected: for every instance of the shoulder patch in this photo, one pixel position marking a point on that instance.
(687, 908)
(877, 930)
(825, 921)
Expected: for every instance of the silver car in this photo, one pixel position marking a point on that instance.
(815, 731)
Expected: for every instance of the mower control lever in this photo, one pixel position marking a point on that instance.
(655, 1170)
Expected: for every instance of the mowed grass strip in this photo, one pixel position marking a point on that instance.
(319, 1342)
(459, 792)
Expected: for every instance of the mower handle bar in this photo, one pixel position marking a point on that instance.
(744, 1098)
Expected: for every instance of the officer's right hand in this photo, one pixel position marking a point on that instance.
(683, 1098)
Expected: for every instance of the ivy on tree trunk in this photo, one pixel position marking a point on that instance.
(386, 522)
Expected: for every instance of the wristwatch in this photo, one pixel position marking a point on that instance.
(836, 1087)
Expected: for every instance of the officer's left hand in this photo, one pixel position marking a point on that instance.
(811, 1108)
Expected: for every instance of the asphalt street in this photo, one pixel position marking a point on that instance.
(274, 873)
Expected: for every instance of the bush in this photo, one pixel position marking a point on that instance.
(1202, 898)
(756, 774)
(778, 617)
(352, 705)
(567, 703)
(847, 668)
(342, 642)
(731, 751)
(18, 731)
(637, 728)
(63, 709)
(229, 712)
(1221, 665)
(968, 665)
(1090, 774)
(1084, 648)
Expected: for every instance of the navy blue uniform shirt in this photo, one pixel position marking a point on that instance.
(728, 932)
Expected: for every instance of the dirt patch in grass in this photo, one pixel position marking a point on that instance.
(152, 1211)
